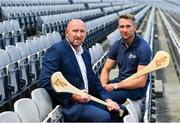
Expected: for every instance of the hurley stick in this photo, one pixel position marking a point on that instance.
(60, 84)
(160, 60)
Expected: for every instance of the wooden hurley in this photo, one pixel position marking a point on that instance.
(160, 60)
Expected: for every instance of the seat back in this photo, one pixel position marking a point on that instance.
(7, 37)
(2, 32)
(129, 119)
(24, 49)
(4, 62)
(43, 102)
(137, 107)
(9, 116)
(113, 37)
(27, 110)
(132, 111)
(57, 36)
(46, 41)
(51, 39)
(5, 59)
(33, 59)
(16, 56)
(92, 54)
(41, 50)
(13, 52)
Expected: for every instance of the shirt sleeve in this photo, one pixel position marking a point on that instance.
(113, 51)
(145, 56)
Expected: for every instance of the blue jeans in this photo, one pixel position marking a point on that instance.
(120, 95)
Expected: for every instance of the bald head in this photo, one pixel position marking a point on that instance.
(76, 32)
(75, 22)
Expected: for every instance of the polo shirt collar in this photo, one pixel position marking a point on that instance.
(134, 43)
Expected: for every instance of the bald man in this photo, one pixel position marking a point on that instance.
(74, 62)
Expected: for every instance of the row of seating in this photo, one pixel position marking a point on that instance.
(10, 33)
(59, 22)
(56, 2)
(166, 5)
(109, 4)
(32, 2)
(8, 11)
(113, 9)
(22, 62)
(99, 28)
(38, 108)
(29, 15)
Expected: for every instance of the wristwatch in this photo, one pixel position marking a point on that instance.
(115, 86)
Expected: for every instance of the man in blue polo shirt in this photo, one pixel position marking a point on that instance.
(131, 53)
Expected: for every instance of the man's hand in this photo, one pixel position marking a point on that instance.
(112, 105)
(109, 87)
(81, 99)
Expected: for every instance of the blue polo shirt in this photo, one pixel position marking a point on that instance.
(128, 59)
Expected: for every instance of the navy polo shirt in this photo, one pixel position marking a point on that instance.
(128, 59)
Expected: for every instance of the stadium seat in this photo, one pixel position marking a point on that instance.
(57, 36)
(16, 56)
(18, 33)
(137, 107)
(41, 50)
(96, 52)
(113, 37)
(132, 111)
(5, 60)
(2, 33)
(93, 59)
(33, 58)
(100, 48)
(44, 104)
(27, 110)
(46, 41)
(129, 119)
(51, 39)
(9, 116)
(13, 68)
(7, 36)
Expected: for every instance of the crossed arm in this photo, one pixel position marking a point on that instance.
(138, 82)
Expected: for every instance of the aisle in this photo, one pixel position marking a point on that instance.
(168, 107)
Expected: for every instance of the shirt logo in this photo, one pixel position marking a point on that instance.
(131, 56)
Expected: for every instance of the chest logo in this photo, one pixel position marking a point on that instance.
(131, 56)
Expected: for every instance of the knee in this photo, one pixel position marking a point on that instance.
(104, 117)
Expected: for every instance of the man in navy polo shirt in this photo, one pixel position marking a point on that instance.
(131, 53)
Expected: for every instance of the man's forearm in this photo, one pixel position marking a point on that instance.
(104, 77)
